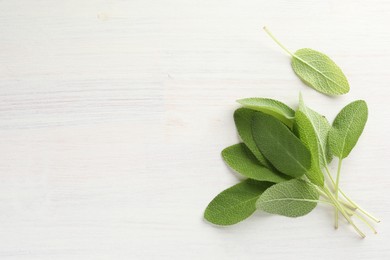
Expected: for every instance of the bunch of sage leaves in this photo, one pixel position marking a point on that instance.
(284, 153)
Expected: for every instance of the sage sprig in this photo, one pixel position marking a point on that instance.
(284, 153)
(286, 167)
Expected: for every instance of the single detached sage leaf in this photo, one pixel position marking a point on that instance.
(235, 203)
(317, 70)
(241, 160)
(280, 146)
(272, 107)
(321, 128)
(347, 128)
(243, 121)
(292, 198)
(307, 135)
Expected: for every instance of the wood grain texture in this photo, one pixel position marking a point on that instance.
(113, 115)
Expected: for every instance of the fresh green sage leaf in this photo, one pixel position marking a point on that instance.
(307, 135)
(241, 160)
(243, 121)
(319, 72)
(272, 107)
(316, 70)
(280, 146)
(235, 203)
(292, 198)
(347, 128)
(321, 128)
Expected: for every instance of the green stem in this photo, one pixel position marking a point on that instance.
(330, 175)
(351, 202)
(367, 223)
(334, 184)
(276, 40)
(336, 215)
(352, 212)
(342, 211)
(321, 192)
(354, 204)
(347, 205)
(338, 179)
(349, 212)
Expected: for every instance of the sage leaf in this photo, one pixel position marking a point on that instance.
(347, 128)
(318, 71)
(243, 121)
(272, 107)
(280, 146)
(292, 198)
(307, 135)
(321, 128)
(235, 203)
(242, 161)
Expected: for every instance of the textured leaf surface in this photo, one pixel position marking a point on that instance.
(280, 146)
(307, 135)
(272, 107)
(292, 198)
(319, 72)
(321, 128)
(235, 203)
(347, 128)
(241, 160)
(243, 121)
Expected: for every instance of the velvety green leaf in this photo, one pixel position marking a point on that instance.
(292, 198)
(235, 203)
(307, 135)
(280, 146)
(319, 72)
(321, 128)
(347, 128)
(243, 121)
(241, 160)
(272, 107)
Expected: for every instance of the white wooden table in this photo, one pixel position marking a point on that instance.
(113, 115)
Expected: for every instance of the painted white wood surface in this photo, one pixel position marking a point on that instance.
(113, 115)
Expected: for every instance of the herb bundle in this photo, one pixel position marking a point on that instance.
(284, 153)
